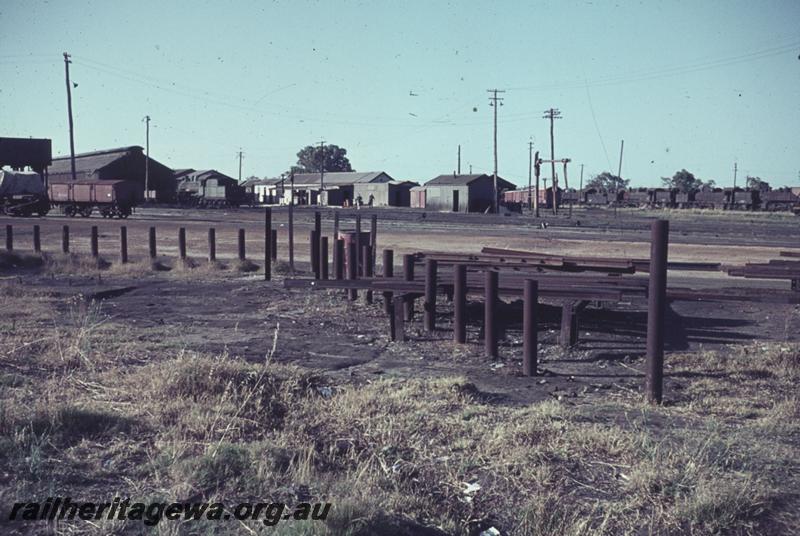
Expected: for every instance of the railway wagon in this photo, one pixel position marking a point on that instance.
(662, 197)
(639, 197)
(781, 199)
(742, 199)
(715, 198)
(22, 193)
(110, 197)
(597, 198)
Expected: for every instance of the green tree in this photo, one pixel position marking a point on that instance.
(684, 181)
(330, 158)
(757, 183)
(607, 181)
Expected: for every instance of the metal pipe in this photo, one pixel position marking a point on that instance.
(367, 261)
(430, 295)
(37, 239)
(313, 244)
(151, 239)
(270, 244)
(323, 257)
(95, 248)
(352, 269)
(656, 311)
(460, 303)
(388, 272)
(241, 245)
(408, 275)
(358, 241)
(182, 243)
(338, 266)
(530, 327)
(212, 244)
(490, 313)
(123, 244)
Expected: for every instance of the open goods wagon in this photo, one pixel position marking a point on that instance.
(110, 197)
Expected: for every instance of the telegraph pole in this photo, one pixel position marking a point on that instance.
(580, 191)
(530, 172)
(537, 165)
(240, 154)
(69, 111)
(551, 114)
(459, 159)
(147, 157)
(495, 102)
(733, 192)
(322, 173)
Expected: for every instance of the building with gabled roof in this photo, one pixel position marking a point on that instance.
(122, 163)
(459, 193)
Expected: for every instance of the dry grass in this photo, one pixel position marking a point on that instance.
(90, 408)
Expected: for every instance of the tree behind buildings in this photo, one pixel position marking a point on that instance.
(608, 182)
(330, 157)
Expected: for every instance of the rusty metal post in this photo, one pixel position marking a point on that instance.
(212, 244)
(398, 319)
(490, 313)
(338, 259)
(358, 241)
(408, 275)
(352, 269)
(242, 252)
(430, 294)
(9, 237)
(37, 239)
(313, 244)
(568, 336)
(182, 243)
(656, 310)
(388, 272)
(460, 303)
(367, 261)
(123, 244)
(530, 328)
(65, 239)
(152, 242)
(95, 248)
(373, 237)
(270, 244)
(323, 257)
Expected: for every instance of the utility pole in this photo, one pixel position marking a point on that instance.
(537, 166)
(551, 114)
(147, 157)
(530, 171)
(322, 173)
(470, 170)
(495, 102)
(733, 192)
(240, 154)
(581, 189)
(621, 147)
(459, 159)
(69, 111)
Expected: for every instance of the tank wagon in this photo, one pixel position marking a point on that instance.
(111, 198)
(22, 193)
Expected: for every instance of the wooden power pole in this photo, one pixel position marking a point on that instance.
(495, 102)
(530, 171)
(69, 111)
(146, 157)
(552, 114)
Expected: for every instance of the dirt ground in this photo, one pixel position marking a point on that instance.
(576, 440)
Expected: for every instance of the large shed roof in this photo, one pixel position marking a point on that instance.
(463, 180)
(339, 178)
(90, 161)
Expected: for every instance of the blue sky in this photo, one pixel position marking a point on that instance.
(695, 84)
